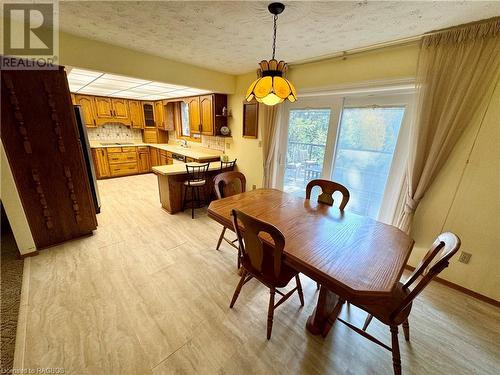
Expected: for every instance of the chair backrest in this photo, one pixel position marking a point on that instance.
(436, 260)
(229, 183)
(327, 190)
(256, 255)
(197, 171)
(227, 165)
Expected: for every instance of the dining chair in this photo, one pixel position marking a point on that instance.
(327, 189)
(263, 262)
(196, 180)
(396, 310)
(227, 184)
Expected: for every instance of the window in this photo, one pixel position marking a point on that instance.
(185, 120)
(363, 158)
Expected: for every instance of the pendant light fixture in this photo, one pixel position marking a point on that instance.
(271, 87)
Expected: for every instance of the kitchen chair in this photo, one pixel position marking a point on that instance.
(395, 310)
(227, 184)
(227, 166)
(326, 196)
(264, 262)
(196, 180)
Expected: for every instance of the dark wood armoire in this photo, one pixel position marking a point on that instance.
(43, 147)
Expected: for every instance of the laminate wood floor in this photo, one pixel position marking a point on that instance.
(149, 294)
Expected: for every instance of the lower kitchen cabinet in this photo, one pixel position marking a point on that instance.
(163, 157)
(155, 156)
(143, 160)
(101, 164)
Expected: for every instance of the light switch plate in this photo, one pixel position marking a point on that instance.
(464, 257)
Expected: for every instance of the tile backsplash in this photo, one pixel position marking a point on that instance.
(114, 132)
(208, 141)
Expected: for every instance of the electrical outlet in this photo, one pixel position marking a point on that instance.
(464, 257)
(228, 146)
(254, 187)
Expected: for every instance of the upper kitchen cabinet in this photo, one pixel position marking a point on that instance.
(171, 114)
(136, 114)
(148, 111)
(104, 108)
(193, 104)
(87, 105)
(111, 110)
(120, 109)
(205, 113)
(159, 115)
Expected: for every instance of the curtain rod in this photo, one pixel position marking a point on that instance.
(394, 43)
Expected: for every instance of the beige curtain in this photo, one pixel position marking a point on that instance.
(269, 141)
(456, 73)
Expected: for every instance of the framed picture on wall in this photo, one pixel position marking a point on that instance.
(250, 119)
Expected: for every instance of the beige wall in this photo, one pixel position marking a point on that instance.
(465, 199)
(90, 54)
(13, 207)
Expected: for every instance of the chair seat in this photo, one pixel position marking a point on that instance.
(195, 182)
(383, 311)
(287, 273)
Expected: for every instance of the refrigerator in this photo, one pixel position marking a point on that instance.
(87, 154)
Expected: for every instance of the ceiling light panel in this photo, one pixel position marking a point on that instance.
(84, 72)
(96, 91)
(165, 87)
(125, 79)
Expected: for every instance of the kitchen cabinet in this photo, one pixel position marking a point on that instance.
(122, 161)
(148, 113)
(120, 109)
(136, 114)
(155, 157)
(88, 108)
(205, 113)
(143, 159)
(171, 114)
(104, 108)
(163, 157)
(111, 109)
(193, 104)
(101, 164)
(159, 115)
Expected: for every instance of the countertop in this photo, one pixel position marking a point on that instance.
(171, 169)
(195, 153)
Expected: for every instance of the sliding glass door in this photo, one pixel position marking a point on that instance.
(351, 140)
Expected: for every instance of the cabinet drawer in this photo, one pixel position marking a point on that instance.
(114, 149)
(142, 149)
(123, 157)
(128, 149)
(123, 169)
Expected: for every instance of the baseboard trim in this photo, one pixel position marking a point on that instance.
(469, 292)
(27, 255)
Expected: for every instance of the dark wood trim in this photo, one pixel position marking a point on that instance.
(30, 254)
(469, 292)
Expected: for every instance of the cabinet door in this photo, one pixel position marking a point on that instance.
(120, 109)
(136, 115)
(101, 162)
(144, 161)
(155, 158)
(159, 115)
(163, 157)
(104, 108)
(207, 115)
(194, 114)
(148, 113)
(171, 114)
(88, 109)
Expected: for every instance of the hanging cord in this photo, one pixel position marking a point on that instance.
(275, 18)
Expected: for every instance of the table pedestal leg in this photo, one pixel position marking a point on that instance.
(325, 313)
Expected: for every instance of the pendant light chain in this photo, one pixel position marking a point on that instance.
(274, 37)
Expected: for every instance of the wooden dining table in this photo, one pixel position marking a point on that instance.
(354, 258)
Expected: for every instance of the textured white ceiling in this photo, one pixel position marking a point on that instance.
(233, 36)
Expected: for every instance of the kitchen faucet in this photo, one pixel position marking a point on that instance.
(183, 143)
